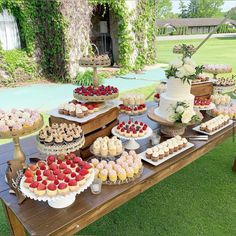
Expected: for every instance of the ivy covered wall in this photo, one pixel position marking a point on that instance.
(57, 32)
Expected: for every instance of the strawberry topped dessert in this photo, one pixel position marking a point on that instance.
(91, 93)
(132, 129)
(133, 110)
(57, 175)
(202, 102)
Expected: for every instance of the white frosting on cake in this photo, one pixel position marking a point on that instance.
(177, 91)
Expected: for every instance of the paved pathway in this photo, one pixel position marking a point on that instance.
(194, 36)
(47, 96)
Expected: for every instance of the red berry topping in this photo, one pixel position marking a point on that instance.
(34, 184)
(38, 172)
(51, 158)
(43, 167)
(28, 173)
(73, 175)
(29, 180)
(44, 182)
(41, 187)
(87, 166)
(79, 178)
(56, 182)
(67, 179)
(51, 177)
(46, 172)
(72, 182)
(62, 186)
(72, 165)
(84, 172)
(56, 172)
(77, 169)
(52, 187)
(39, 178)
(61, 176)
(67, 171)
(62, 166)
(68, 162)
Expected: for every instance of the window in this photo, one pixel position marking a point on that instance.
(9, 33)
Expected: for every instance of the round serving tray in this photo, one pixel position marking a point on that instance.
(59, 201)
(60, 149)
(31, 130)
(105, 157)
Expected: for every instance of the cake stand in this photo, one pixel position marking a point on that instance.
(132, 144)
(57, 201)
(168, 128)
(18, 152)
(60, 149)
(209, 107)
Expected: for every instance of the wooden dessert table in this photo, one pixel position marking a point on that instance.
(37, 218)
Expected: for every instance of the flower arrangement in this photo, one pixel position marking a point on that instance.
(184, 69)
(183, 114)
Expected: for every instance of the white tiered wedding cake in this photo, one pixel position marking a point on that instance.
(176, 104)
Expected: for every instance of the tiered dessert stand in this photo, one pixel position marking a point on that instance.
(18, 152)
(132, 143)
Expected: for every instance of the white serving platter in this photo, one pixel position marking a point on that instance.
(197, 128)
(157, 163)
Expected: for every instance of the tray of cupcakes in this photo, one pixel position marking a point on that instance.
(166, 150)
(57, 180)
(107, 148)
(96, 94)
(60, 138)
(133, 104)
(16, 123)
(124, 170)
(214, 125)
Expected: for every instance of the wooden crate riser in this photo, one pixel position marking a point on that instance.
(204, 90)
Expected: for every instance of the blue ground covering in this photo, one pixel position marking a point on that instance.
(47, 96)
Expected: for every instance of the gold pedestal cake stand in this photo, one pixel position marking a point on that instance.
(18, 152)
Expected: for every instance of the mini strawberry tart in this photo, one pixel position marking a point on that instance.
(57, 175)
(132, 129)
(202, 102)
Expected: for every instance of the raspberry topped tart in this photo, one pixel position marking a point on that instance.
(56, 176)
(96, 94)
(200, 102)
(132, 129)
(133, 110)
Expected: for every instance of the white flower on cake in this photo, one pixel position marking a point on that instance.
(187, 116)
(180, 72)
(189, 61)
(176, 63)
(180, 109)
(189, 70)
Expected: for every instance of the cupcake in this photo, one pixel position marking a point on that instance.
(166, 151)
(63, 188)
(161, 154)
(79, 113)
(51, 190)
(84, 110)
(112, 150)
(48, 141)
(95, 162)
(96, 148)
(112, 176)
(41, 190)
(149, 153)
(103, 175)
(73, 185)
(104, 150)
(130, 172)
(185, 141)
(61, 109)
(136, 168)
(155, 156)
(122, 174)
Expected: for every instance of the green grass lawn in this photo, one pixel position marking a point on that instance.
(216, 50)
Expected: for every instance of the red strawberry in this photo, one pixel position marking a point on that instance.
(53, 166)
(84, 172)
(72, 182)
(51, 177)
(29, 180)
(72, 165)
(44, 182)
(79, 178)
(87, 166)
(46, 172)
(40, 163)
(61, 176)
(68, 162)
(28, 173)
(41, 187)
(77, 169)
(39, 178)
(56, 172)
(67, 171)
(62, 166)
(33, 167)
(52, 187)
(38, 172)
(76, 159)
(56, 182)
(42, 167)
(51, 158)
(34, 184)
(73, 174)
(67, 179)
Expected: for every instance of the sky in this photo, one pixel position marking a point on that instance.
(228, 4)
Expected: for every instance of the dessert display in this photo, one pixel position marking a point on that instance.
(19, 122)
(133, 110)
(228, 111)
(214, 124)
(107, 147)
(200, 102)
(217, 68)
(220, 99)
(60, 134)
(125, 169)
(181, 48)
(133, 99)
(161, 88)
(78, 109)
(96, 94)
(164, 149)
(225, 82)
(131, 129)
(57, 175)
(201, 78)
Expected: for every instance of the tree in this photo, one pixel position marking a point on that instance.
(183, 9)
(204, 8)
(231, 14)
(164, 8)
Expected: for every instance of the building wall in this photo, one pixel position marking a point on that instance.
(200, 29)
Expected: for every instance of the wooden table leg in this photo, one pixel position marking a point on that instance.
(234, 166)
(17, 228)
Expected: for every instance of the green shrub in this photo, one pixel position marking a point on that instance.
(85, 78)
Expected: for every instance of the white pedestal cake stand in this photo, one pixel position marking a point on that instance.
(132, 144)
(57, 201)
